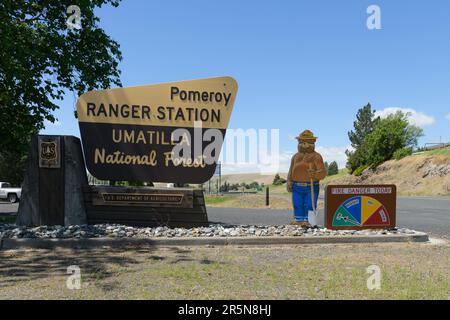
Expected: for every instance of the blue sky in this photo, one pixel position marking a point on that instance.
(299, 64)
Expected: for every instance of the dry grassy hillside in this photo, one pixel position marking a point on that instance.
(421, 175)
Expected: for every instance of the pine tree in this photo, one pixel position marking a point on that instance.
(363, 126)
(333, 168)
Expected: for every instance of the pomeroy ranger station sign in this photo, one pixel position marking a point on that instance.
(170, 132)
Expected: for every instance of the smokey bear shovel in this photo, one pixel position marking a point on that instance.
(312, 216)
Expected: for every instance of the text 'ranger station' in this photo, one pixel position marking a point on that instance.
(170, 113)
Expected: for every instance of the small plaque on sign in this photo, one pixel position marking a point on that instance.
(49, 152)
(360, 206)
(142, 196)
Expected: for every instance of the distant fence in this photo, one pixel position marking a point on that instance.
(239, 192)
(433, 146)
(231, 193)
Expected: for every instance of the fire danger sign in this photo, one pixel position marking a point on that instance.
(360, 206)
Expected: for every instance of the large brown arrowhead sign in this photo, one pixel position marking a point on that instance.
(170, 132)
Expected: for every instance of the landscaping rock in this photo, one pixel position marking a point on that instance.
(214, 230)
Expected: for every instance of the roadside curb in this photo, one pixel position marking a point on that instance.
(12, 244)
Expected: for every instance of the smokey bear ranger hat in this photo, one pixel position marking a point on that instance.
(307, 136)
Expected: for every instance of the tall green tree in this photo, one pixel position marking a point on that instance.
(333, 168)
(363, 125)
(326, 166)
(41, 59)
(391, 134)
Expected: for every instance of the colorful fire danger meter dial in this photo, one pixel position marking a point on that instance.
(361, 211)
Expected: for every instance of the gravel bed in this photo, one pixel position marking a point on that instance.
(12, 231)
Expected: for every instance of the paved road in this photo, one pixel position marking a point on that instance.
(431, 215)
(8, 209)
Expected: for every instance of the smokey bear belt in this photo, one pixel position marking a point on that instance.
(304, 184)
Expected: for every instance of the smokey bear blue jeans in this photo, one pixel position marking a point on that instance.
(301, 199)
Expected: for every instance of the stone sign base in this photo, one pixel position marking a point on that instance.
(146, 206)
(54, 178)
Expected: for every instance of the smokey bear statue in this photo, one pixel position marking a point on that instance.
(306, 170)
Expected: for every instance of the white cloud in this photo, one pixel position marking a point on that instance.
(447, 116)
(331, 154)
(416, 118)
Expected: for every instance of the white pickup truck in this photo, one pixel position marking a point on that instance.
(11, 194)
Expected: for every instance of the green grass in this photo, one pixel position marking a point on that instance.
(443, 151)
(341, 173)
(216, 199)
(408, 271)
(276, 189)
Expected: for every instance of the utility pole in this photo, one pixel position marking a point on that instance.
(219, 167)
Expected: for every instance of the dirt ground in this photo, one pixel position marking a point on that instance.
(408, 271)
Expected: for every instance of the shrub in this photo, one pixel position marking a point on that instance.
(375, 140)
(401, 153)
(360, 170)
(391, 134)
(277, 180)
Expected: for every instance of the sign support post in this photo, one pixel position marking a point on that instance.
(52, 192)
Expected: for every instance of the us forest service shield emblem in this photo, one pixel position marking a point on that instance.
(49, 152)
